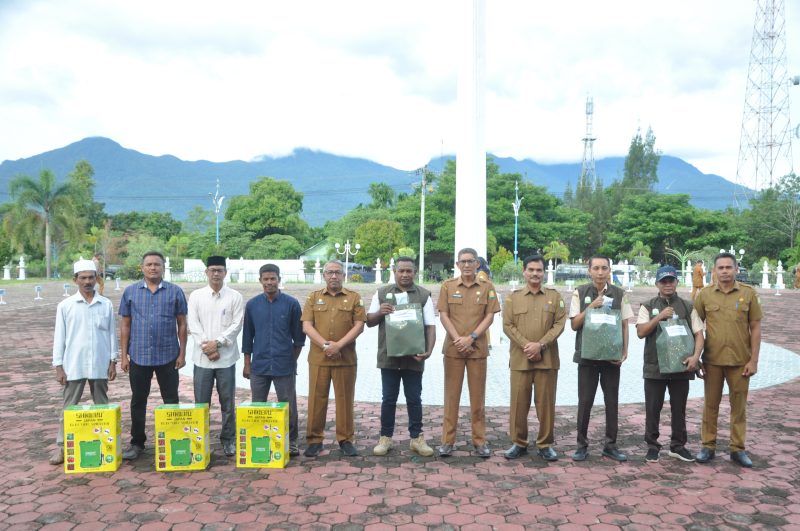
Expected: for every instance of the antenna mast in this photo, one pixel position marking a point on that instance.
(765, 147)
(588, 173)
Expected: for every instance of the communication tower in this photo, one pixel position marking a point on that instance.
(765, 147)
(588, 173)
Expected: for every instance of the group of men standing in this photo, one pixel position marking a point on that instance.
(728, 312)
(156, 320)
(153, 332)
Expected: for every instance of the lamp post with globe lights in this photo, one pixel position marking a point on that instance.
(733, 252)
(347, 252)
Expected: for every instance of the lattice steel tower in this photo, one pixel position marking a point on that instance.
(588, 179)
(765, 147)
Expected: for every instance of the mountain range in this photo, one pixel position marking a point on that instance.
(129, 180)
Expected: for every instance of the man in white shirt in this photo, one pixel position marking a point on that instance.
(215, 320)
(84, 345)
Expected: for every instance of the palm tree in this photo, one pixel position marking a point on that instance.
(682, 256)
(556, 250)
(43, 204)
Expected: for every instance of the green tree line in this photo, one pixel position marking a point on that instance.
(54, 222)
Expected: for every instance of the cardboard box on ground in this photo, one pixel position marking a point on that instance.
(262, 435)
(91, 438)
(182, 441)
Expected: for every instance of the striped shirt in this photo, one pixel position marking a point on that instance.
(154, 328)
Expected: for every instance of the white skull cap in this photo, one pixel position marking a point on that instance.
(83, 265)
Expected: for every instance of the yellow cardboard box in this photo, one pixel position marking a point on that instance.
(263, 435)
(91, 438)
(182, 437)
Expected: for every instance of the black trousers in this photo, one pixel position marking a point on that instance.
(588, 376)
(654, 391)
(412, 386)
(140, 377)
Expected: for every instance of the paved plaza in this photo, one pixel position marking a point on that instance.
(403, 490)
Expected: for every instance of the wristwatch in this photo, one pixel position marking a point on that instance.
(474, 336)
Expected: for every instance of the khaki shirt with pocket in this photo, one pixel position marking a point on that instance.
(333, 316)
(466, 306)
(534, 317)
(727, 316)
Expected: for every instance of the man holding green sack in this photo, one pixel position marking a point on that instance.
(662, 321)
(403, 295)
(610, 302)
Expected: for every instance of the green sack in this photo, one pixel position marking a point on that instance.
(674, 343)
(602, 335)
(405, 331)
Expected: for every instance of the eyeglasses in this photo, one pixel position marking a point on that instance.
(216, 271)
(467, 262)
(334, 273)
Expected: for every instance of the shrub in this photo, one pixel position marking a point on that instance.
(510, 272)
(501, 258)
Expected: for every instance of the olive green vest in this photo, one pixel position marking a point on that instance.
(683, 309)
(416, 294)
(588, 290)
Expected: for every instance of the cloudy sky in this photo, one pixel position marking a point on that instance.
(238, 79)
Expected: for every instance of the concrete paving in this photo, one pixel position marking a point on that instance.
(400, 490)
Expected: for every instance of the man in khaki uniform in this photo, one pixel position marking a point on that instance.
(732, 315)
(698, 278)
(333, 318)
(533, 318)
(466, 308)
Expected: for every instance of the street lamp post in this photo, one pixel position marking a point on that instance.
(733, 252)
(516, 204)
(347, 252)
(217, 201)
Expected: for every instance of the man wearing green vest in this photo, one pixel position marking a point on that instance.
(406, 369)
(664, 308)
(595, 295)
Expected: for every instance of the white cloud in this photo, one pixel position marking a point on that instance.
(375, 80)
